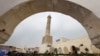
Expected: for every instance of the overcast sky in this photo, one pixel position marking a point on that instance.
(29, 32)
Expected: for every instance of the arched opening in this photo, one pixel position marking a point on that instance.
(60, 50)
(65, 49)
(83, 15)
(30, 32)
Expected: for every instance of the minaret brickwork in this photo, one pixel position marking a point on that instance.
(47, 39)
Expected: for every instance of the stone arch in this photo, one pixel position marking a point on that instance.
(60, 50)
(14, 16)
(65, 49)
(2, 24)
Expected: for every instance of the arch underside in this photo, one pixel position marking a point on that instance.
(13, 17)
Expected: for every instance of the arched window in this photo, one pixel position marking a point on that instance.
(59, 50)
(65, 49)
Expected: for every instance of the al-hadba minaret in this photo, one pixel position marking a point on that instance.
(47, 39)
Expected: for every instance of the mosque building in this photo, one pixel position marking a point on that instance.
(64, 45)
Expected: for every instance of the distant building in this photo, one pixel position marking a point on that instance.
(10, 48)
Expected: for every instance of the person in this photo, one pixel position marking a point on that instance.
(74, 50)
(2, 53)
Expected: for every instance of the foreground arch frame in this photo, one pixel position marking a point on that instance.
(13, 17)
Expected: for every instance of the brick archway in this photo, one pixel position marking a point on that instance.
(14, 16)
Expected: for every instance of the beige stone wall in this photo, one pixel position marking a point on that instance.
(95, 50)
(76, 42)
(65, 47)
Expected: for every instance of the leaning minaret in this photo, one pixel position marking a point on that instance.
(47, 39)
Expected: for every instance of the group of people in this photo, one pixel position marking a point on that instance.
(4, 52)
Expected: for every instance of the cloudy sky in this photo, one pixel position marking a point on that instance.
(30, 31)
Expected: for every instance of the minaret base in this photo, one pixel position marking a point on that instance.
(47, 39)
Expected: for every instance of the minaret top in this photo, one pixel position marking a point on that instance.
(49, 16)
